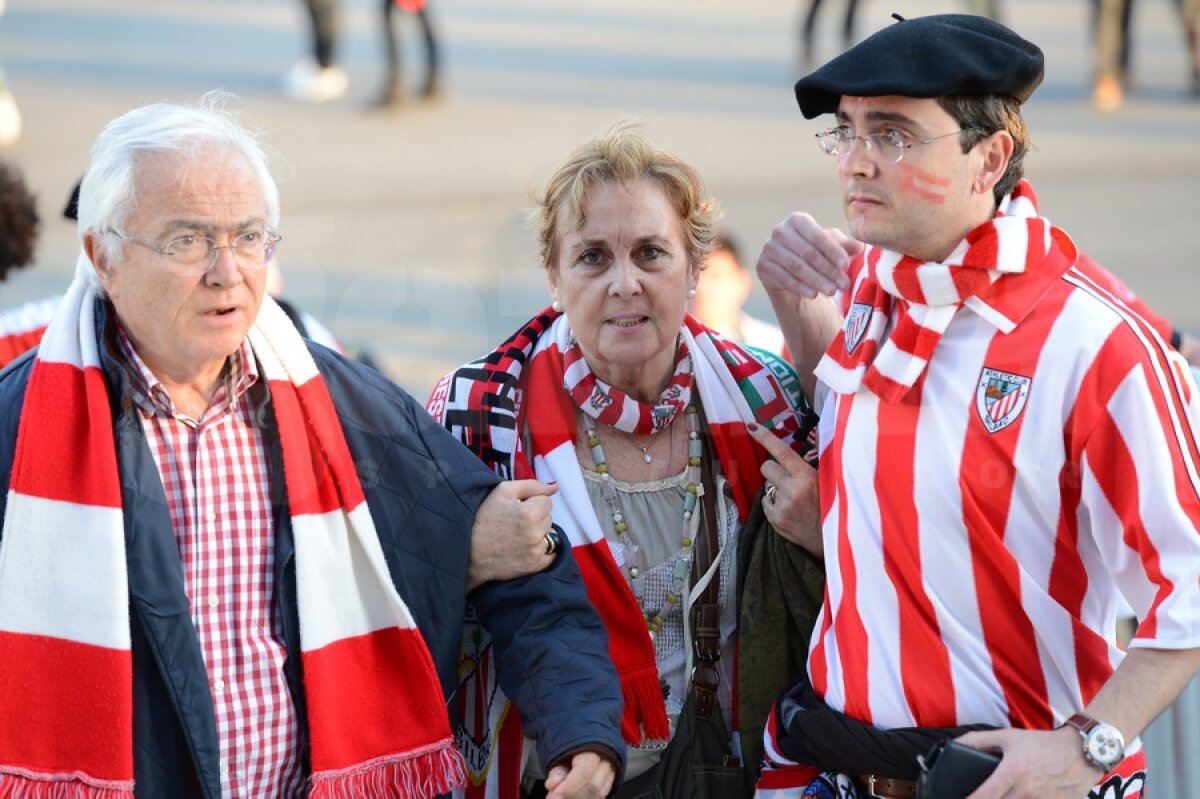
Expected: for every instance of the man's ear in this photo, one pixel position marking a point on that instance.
(98, 254)
(996, 150)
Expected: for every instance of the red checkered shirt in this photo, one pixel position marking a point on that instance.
(218, 488)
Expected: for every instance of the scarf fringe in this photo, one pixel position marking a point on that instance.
(27, 786)
(643, 696)
(430, 772)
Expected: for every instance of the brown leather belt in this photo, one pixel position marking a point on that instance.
(887, 787)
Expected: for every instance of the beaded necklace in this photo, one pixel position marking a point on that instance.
(654, 616)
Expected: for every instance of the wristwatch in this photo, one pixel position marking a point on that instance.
(1103, 745)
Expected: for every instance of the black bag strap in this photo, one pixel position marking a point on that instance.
(706, 612)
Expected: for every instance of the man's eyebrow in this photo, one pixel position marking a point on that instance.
(197, 224)
(880, 116)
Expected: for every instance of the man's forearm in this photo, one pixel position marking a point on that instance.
(809, 326)
(1142, 686)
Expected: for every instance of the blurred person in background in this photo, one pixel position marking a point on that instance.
(235, 563)
(319, 79)
(1007, 448)
(808, 30)
(642, 417)
(1111, 40)
(1189, 14)
(20, 327)
(724, 286)
(393, 89)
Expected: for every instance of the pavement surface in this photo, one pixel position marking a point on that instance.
(405, 230)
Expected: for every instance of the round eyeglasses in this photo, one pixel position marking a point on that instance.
(891, 144)
(195, 255)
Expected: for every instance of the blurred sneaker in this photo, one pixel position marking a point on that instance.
(1107, 96)
(315, 84)
(10, 120)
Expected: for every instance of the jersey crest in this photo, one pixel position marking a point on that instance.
(856, 324)
(1000, 398)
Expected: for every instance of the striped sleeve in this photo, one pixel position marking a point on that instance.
(1133, 431)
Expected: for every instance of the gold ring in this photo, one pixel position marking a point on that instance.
(771, 490)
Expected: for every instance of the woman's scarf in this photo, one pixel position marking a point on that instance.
(375, 715)
(923, 297)
(484, 404)
(611, 406)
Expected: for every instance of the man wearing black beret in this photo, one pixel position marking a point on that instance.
(1006, 448)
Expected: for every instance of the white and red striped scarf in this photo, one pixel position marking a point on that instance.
(925, 296)
(377, 722)
(478, 404)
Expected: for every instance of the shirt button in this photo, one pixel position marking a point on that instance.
(213, 600)
(224, 768)
(212, 518)
(219, 684)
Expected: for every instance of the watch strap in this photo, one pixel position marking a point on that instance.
(1082, 722)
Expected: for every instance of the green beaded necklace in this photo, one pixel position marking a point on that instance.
(654, 616)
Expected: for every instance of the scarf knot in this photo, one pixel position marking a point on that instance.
(900, 306)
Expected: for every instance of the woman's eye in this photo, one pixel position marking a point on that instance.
(591, 257)
(652, 252)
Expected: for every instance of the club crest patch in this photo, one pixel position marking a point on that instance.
(1000, 398)
(856, 324)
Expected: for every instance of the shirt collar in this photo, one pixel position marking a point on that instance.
(152, 398)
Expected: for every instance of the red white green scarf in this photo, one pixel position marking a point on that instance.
(377, 723)
(484, 405)
(922, 297)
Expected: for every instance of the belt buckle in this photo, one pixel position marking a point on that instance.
(871, 788)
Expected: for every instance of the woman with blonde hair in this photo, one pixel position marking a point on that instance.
(651, 425)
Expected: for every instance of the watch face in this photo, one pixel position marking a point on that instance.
(1105, 746)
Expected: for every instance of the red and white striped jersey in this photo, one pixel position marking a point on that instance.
(978, 532)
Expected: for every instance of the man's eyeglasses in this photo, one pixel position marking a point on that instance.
(891, 144)
(195, 255)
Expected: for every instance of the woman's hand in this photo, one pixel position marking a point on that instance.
(508, 539)
(793, 508)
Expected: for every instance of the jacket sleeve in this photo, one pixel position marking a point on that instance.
(552, 652)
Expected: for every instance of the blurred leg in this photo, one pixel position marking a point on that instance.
(393, 90)
(432, 87)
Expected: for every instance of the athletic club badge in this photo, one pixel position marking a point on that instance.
(1000, 398)
(856, 324)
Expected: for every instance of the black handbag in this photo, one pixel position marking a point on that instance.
(951, 770)
(698, 762)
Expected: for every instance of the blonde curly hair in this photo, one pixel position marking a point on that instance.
(623, 155)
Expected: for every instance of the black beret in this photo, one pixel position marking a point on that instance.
(932, 56)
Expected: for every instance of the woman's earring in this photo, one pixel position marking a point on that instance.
(557, 306)
(691, 295)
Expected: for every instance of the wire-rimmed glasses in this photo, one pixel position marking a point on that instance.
(891, 144)
(194, 255)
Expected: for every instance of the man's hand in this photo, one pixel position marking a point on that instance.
(794, 507)
(1036, 763)
(804, 258)
(589, 775)
(508, 538)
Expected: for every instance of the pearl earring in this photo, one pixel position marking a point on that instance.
(691, 295)
(557, 306)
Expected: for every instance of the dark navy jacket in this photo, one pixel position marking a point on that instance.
(423, 489)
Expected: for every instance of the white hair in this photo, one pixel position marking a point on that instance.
(108, 194)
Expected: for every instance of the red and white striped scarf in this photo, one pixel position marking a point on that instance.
(611, 406)
(479, 404)
(925, 296)
(376, 719)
